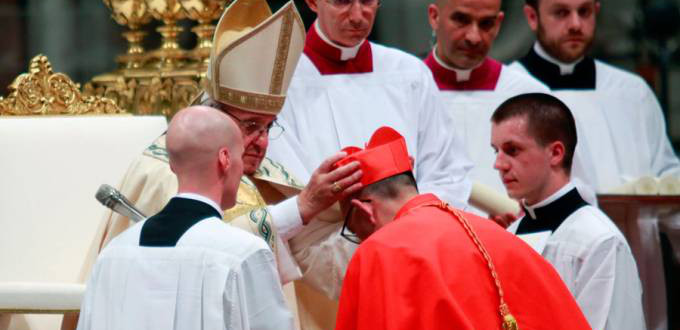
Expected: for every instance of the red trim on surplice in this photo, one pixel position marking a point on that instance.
(326, 58)
(483, 78)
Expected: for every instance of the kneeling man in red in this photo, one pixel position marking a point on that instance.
(423, 264)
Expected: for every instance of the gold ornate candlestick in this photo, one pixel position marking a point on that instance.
(133, 14)
(205, 12)
(168, 11)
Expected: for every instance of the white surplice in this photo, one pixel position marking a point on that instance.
(216, 277)
(324, 113)
(620, 120)
(472, 109)
(596, 263)
(622, 124)
(472, 101)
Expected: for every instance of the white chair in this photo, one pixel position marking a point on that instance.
(50, 169)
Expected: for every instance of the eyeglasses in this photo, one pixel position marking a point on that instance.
(344, 4)
(252, 128)
(346, 233)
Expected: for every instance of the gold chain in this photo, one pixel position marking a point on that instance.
(509, 321)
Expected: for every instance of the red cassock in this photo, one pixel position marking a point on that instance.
(423, 271)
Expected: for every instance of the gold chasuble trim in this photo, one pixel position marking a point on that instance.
(250, 211)
(274, 172)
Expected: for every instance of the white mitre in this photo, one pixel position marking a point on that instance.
(254, 55)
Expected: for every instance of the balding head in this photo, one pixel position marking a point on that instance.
(205, 149)
(465, 30)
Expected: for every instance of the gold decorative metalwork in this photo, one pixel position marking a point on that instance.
(43, 92)
(166, 79)
(133, 14)
(203, 11)
(169, 54)
(157, 94)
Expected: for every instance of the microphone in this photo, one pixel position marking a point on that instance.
(113, 199)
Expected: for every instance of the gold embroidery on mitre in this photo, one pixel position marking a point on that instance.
(269, 97)
(241, 39)
(282, 48)
(255, 102)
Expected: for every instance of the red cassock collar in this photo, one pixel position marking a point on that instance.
(326, 58)
(416, 202)
(483, 78)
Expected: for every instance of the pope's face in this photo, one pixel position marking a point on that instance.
(345, 25)
(523, 164)
(255, 140)
(465, 30)
(565, 28)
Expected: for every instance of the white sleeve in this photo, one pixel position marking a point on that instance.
(441, 162)
(663, 160)
(261, 299)
(316, 252)
(323, 256)
(287, 219)
(607, 287)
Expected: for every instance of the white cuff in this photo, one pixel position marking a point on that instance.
(286, 217)
(288, 268)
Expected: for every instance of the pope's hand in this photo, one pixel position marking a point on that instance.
(327, 186)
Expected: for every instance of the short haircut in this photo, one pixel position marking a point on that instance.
(390, 188)
(548, 120)
(532, 3)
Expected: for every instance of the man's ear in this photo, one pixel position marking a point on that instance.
(312, 5)
(532, 17)
(432, 16)
(223, 160)
(557, 152)
(365, 210)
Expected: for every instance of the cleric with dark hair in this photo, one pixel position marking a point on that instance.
(422, 264)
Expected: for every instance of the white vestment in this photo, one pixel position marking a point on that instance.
(472, 108)
(324, 113)
(594, 260)
(620, 120)
(622, 124)
(216, 277)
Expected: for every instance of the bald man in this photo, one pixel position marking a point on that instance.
(184, 268)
